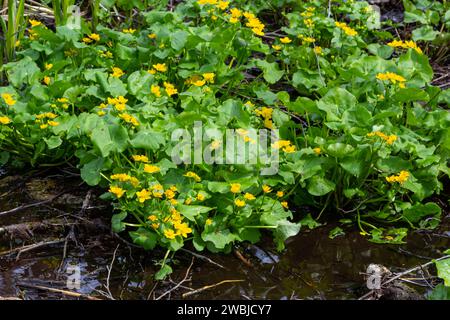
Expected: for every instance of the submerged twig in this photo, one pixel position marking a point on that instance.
(64, 292)
(190, 293)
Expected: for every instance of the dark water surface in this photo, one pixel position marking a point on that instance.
(312, 267)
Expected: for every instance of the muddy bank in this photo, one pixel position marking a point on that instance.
(40, 245)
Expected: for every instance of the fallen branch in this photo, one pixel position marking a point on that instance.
(31, 205)
(64, 292)
(30, 247)
(179, 283)
(197, 255)
(190, 293)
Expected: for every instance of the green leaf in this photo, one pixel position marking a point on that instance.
(148, 140)
(339, 150)
(163, 272)
(419, 211)
(24, 71)
(440, 292)
(319, 186)
(284, 230)
(271, 71)
(53, 142)
(102, 140)
(336, 232)
(178, 39)
(425, 33)
(443, 270)
(90, 172)
(144, 238)
(219, 238)
(220, 187)
(116, 222)
(191, 211)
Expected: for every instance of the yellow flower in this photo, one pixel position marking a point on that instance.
(169, 194)
(130, 30)
(239, 203)
(156, 90)
(46, 80)
(249, 196)
(117, 72)
(8, 98)
(200, 197)
(317, 150)
(234, 20)
(48, 66)
(129, 119)
(199, 83)
(5, 120)
(192, 175)
(285, 40)
(215, 144)
(182, 229)
(35, 23)
(405, 45)
(348, 31)
(170, 89)
(235, 12)
(266, 188)
(392, 77)
(155, 225)
(149, 168)
(285, 204)
(308, 23)
(400, 178)
(140, 158)
(209, 77)
(43, 126)
(389, 139)
(235, 187)
(188, 201)
(117, 191)
(208, 222)
(222, 5)
(143, 195)
(122, 177)
(318, 50)
(169, 234)
(280, 194)
(161, 67)
(152, 36)
(53, 123)
(152, 217)
(289, 149)
(152, 71)
(94, 37)
(276, 47)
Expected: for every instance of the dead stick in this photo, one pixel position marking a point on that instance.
(203, 258)
(65, 292)
(31, 205)
(179, 283)
(190, 293)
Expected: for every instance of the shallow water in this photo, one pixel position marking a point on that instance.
(312, 267)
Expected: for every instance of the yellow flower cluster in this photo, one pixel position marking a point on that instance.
(193, 175)
(117, 72)
(128, 118)
(400, 178)
(150, 168)
(389, 139)
(392, 77)
(35, 23)
(244, 134)
(266, 113)
(285, 40)
(8, 98)
(117, 191)
(170, 89)
(130, 30)
(254, 23)
(235, 14)
(5, 120)
(405, 45)
(284, 145)
(317, 150)
(199, 81)
(348, 31)
(90, 38)
(156, 90)
(119, 103)
(140, 158)
(161, 67)
(47, 115)
(123, 177)
(105, 54)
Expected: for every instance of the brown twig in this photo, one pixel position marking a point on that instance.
(64, 292)
(179, 283)
(190, 293)
(31, 205)
(197, 255)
